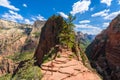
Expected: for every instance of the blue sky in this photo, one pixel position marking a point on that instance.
(92, 16)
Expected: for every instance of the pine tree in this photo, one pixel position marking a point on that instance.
(67, 35)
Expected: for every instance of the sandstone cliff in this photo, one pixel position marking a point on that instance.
(104, 51)
(37, 26)
(16, 39)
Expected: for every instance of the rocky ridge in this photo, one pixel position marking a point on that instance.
(66, 67)
(63, 66)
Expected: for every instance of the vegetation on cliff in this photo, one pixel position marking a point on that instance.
(57, 32)
(67, 35)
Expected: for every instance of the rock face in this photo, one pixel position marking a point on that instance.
(84, 37)
(48, 37)
(16, 38)
(37, 26)
(12, 36)
(12, 43)
(104, 51)
(6, 66)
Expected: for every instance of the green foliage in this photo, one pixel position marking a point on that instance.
(28, 72)
(36, 34)
(70, 20)
(84, 45)
(67, 35)
(65, 27)
(58, 56)
(17, 57)
(6, 77)
(49, 56)
(71, 56)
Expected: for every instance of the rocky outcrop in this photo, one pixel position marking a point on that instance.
(6, 66)
(104, 51)
(48, 37)
(37, 26)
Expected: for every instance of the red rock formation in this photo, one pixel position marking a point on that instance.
(48, 37)
(104, 51)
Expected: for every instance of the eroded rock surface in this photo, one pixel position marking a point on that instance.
(67, 68)
(104, 51)
(6, 66)
(16, 38)
(48, 38)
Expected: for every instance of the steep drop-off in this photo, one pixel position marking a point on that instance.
(17, 41)
(104, 51)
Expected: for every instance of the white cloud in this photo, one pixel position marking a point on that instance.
(107, 2)
(106, 24)
(24, 5)
(63, 15)
(15, 17)
(80, 7)
(118, 1)
(101, 13)
(112, 15)
(12, 16)
(84, 21)
(86, 28)
(6, 3)
(39, 17)
(91, 9)
(27, 21)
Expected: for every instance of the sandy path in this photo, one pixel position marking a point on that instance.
(65, 68)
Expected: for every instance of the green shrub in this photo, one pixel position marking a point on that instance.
(58, 56)
(6, 77)
(49, 55)
(37, 34)
(28, 72)
(66, 35)
(17, 57)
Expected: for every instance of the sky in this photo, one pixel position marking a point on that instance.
(92, 16)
